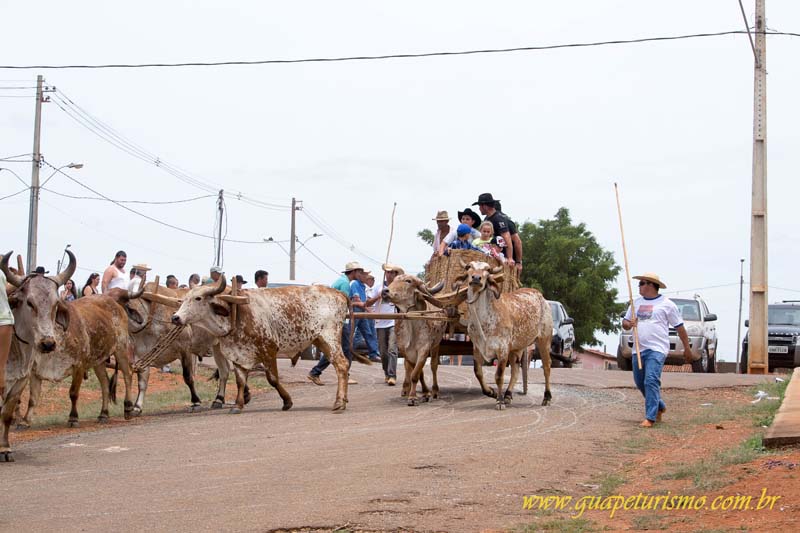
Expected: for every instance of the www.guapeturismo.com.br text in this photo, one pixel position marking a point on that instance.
(646, 502)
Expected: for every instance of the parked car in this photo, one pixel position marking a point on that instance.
(783, 337)
(562, 349)
(701, 328)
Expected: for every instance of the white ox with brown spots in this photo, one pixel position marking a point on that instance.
(503, 325)
(287, 319)
(416, 339)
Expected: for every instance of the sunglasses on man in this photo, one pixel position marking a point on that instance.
(643, 283)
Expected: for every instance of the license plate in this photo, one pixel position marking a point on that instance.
(778, 349)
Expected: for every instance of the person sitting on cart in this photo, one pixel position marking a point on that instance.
(464, 240)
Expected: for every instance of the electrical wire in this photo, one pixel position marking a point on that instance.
(15, 194)
(22, 181)
(146, 202)
(394, 56)
(139, 213)
(9, 158)
(111, 136)
(321, 261)
(325, 227)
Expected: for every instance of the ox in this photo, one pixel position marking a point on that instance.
(416, 338)
(288, 319)
(57, 339)
(147, 322)
(504, 325)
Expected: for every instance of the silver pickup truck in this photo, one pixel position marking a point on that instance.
(702, 330)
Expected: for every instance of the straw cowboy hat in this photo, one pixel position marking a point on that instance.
(442, 215)
(389, 267)
(651, 277)
(352, 265)
(141, 267)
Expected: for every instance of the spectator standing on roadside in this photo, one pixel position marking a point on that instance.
(69, 294)
(90, 287)
(360, 302)
(262, 278)
(387, 340)
(373, 292)
(114, 276)
(194, 281)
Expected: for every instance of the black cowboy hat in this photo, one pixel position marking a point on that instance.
(476, 218)
(485, 198)
(41, 270)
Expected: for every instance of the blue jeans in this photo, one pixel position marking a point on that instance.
(365, 330)
(648, 381)
(325, 363)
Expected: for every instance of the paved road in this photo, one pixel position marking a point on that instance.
(455, 464)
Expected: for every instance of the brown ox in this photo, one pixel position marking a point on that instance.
(416, 339)
(58, 339)
(288, 319)
(504, 325)
(147, 322)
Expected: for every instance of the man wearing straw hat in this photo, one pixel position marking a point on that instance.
(442, 229)
(655, 313)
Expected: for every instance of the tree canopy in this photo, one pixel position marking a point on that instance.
(566, 263)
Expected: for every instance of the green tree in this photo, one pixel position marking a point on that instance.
(566, 263)
(426, 235)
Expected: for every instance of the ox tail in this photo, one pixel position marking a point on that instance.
(361, 358)
(214, 376)
(112, 386)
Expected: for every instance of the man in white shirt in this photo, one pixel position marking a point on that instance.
(114, 275)
(655, 313)
(387, 341)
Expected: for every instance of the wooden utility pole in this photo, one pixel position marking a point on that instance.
(33, 216)
(220, 219)
(293, 241)
(757, 346)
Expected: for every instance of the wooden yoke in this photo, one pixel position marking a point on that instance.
(234, 307)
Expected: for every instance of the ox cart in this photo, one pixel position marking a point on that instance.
(444, 277)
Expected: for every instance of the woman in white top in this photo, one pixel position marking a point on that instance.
(114, 276)
(6, 328)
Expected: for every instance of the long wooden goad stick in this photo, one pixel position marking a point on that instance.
(628, 275)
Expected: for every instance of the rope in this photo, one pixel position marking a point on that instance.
(163, 344)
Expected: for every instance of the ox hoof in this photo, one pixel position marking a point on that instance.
(500, 406)
(426, 399)
(546, 401)
(339, 406)
(217, 404)
(413, 402)
(507, 399)
(127, 415)
(6, 457)
(73, 423)
(246, 395)
(137, 411)
(195, 408)
(102, 419)
(235, 411)
(287, 405)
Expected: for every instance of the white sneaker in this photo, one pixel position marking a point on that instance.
(351, 381)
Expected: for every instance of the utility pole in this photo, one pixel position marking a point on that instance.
(33, 217)
(293, 240)
(218, 240)
(739, 329)
(757, 344)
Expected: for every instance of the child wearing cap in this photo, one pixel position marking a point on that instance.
(464, 238)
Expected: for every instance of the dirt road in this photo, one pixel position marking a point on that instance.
(454, 464)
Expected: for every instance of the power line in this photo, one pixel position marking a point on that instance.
(139, 213)
(318, 258)
(16, 193)
(317, 221)
(116, 139)
(393, 56)
(147, 202)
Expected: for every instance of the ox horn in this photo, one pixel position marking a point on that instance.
(497, 269)
(63, 277)
(213, 291)
(436, 288)
(12, 278)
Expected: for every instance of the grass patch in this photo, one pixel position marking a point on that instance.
(609, 483)
(710, 474)
(649, 522)
(562, 525)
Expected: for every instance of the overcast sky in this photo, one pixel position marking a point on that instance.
(671, 122)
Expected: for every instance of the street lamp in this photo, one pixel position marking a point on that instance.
(305, 241)
(33, 218)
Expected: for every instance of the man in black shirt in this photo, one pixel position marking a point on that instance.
(512, 229)
(502, 225)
